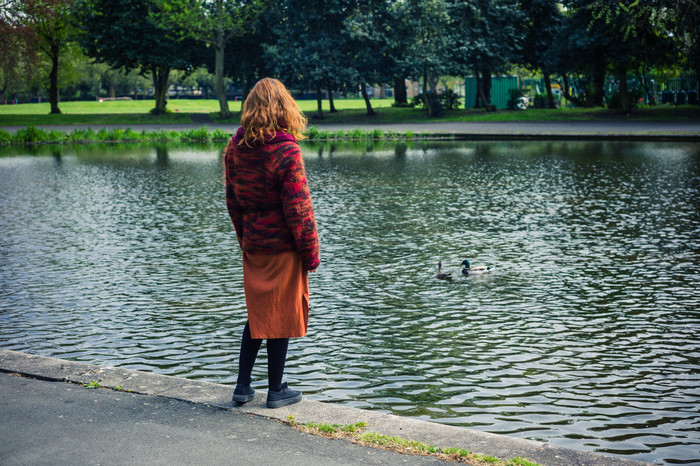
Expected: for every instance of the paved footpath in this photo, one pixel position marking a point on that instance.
(46, 417)
(59, 423)
(635, 130)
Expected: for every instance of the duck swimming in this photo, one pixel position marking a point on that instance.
(475, 270)
(442, 275)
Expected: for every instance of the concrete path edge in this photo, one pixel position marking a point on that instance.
(217, 395)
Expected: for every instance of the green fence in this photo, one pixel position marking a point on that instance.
(500, 85)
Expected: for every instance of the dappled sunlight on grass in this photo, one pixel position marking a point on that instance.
(350, 111)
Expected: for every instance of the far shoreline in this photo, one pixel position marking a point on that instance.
(629, 130)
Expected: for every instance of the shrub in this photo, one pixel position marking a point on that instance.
(449, 99)
(614, 101)
(540, 101)
(693, 97)
(513, 96)
(312, 132)
(5, 137)
(130, 135)
(55, 136)
(201, 135)
(116, 134)
(434, 100)
(81, 135)
(219, 135)
(31, 134)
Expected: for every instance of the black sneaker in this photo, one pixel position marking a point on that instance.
(282, 398)
(243, 393)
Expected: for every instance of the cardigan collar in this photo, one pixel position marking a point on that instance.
(280, 136)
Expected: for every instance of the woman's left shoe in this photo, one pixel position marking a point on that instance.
(243, 393)
(284, 397)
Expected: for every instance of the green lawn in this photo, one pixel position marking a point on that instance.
(174, 106)
(351, 111)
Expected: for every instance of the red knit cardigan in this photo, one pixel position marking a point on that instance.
(268, 198)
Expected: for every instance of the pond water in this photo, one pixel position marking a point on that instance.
(585, 335)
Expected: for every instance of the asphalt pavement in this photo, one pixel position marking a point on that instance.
(49, 416)
(60, 423)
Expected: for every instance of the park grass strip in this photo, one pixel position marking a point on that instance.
(33, 135)
(355, 434)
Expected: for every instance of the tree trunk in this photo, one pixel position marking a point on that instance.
(319, 101)
(329, 91)
(486, 89)
(598, 97)
(246, 89)
(160, 87)
(53, 79)
(548, 86)
(624, 91)
(400, 96)
(426, 100)
(645, 84)
(219, 74)
(363, 90)
(477, 99)
(567, 93)
(112, 89)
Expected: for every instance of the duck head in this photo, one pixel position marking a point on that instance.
(467, 265)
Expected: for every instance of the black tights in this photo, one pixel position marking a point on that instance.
(276, 357)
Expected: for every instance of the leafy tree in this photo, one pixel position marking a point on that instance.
(542, 26)
(637, 36)
(18, 55)
(247, 61)
(310, 50)
(369, 44)
(214, 23)
(51, 21)
(488, 35)
(427, 55)
(581, 50)
(130, 34)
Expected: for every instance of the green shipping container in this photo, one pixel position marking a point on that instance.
(500, 85)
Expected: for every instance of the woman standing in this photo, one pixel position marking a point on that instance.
(269, 203)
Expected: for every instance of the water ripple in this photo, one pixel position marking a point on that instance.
(585, 335)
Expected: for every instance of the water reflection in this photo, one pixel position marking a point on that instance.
(586, 334)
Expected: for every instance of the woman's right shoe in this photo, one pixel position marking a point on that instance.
(284, 397)
(243, 393)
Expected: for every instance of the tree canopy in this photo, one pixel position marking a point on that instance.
(348, 45)
(131, 34)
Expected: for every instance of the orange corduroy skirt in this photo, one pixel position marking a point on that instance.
(276, 294)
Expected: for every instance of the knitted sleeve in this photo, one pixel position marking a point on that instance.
(234, 209)
(296, 203)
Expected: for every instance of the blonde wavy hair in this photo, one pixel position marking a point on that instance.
(270, 108)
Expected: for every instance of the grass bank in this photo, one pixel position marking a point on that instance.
(33, 135)
(350, 111)
(355, 434)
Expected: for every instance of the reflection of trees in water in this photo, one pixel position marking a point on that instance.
(56, 153)
(162, 155)
(400, 151)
